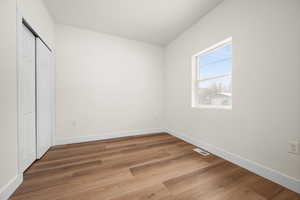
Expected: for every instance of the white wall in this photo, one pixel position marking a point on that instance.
(37, 15)
(105, 84)
(266, 84)
(8, 94)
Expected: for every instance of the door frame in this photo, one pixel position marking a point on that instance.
(21, 21)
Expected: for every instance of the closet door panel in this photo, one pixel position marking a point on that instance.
(27, 99)
(45, 98)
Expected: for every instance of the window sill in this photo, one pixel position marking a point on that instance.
(213, 107)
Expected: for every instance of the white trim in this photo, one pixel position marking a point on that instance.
(214, 78)
(213, 107)
(264, 171)
(7, 190)
(215, 46)
(107, 136)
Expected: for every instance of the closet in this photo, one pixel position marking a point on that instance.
(36, 97)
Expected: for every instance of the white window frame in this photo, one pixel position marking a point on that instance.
(195, 73)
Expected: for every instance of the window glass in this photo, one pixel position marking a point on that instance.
(213, 76)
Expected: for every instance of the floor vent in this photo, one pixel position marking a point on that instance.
(202, 152)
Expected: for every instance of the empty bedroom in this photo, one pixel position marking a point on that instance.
(150, 100)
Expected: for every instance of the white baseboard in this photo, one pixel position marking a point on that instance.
(107, 136)
(10, 187)
(268, 173)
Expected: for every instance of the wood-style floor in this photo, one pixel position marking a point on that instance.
(155, 167)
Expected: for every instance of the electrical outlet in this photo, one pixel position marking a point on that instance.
(294, 147)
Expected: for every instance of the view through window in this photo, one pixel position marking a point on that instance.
(213, 76)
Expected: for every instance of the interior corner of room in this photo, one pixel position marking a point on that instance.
(144, 71)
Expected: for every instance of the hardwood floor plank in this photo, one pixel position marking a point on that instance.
(215, 185)
(170, 167)
(286, 195)
(266, 188)
(125, 163)
(237, 193)
(53, 171)
(157, 192)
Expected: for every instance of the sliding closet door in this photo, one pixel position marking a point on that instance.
(45, 98)
(27, 100)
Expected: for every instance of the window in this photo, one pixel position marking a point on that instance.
(212, 77)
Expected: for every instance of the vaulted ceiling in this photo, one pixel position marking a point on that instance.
(152, 21)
